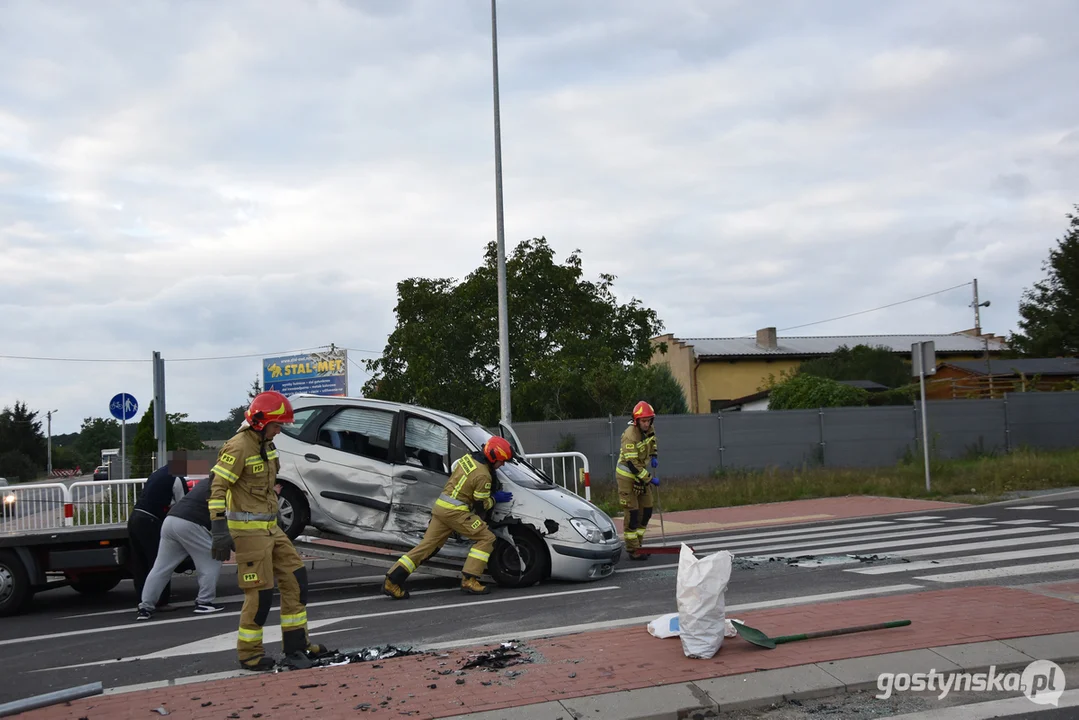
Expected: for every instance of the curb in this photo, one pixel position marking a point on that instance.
(738, 693)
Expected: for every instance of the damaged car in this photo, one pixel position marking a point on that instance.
(369, 471)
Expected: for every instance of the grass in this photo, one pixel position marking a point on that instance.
(974, 480)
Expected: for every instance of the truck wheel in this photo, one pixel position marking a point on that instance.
(505, 566)
(292, 512)
(96, 583)
(15, 591)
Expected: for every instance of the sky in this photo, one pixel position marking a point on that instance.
(251, 178)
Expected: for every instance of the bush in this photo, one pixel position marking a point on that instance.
(807, 392)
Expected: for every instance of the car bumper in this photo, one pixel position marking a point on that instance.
(583, 562)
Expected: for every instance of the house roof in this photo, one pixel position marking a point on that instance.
(824, 345)
(1025, 366)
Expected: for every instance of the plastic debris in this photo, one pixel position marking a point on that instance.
(161, 711)
(504, 656)
(335, 658)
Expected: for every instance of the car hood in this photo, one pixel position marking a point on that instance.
(555, 503)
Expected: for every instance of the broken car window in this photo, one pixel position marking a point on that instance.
(359, 431)
(427, 445)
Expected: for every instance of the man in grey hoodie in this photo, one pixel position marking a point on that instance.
(185, 532)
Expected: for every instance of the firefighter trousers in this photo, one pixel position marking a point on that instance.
(262, 557)
(443, 523)
(635, 498)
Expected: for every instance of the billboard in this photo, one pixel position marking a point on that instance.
(317, 373)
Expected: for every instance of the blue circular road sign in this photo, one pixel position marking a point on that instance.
(123, 406)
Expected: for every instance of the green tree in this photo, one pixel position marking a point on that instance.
(798, 391)
(861, 362)
(1050, 310)
(95, 435)
(179, 435)
(656, 385)
(21, 435)
(571, 342)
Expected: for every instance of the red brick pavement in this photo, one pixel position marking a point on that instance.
(594, 662)
(784, 513)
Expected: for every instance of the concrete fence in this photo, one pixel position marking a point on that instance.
(831, 437)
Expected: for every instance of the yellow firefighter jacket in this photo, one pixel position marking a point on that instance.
(470, 483)
(635, 454)
(243, 483)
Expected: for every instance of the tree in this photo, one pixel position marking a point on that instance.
(21, 436)
(861, 362)
(1050, 310)
(799, 391)
(96, 434)
(571, 342)
(656, 385)
(179, 435)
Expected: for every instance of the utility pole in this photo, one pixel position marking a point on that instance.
(978, 331)
(503, 310)
(48, 468)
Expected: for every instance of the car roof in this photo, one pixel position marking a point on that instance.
(387, 404)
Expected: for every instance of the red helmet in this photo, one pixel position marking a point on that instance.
(267, 407)
(497, 449)
(643, 410)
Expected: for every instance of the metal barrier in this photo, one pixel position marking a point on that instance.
(564, 466)
(32, 507)
(107, 502)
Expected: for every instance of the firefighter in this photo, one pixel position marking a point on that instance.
(637, 458)
(243, 512)
(454, 511)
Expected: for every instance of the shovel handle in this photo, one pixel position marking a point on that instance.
(840, 631)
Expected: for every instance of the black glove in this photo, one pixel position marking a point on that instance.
(223, 544)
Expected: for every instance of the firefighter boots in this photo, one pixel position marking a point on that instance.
(394, 586)
(472, 586)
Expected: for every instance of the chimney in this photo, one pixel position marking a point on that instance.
(766, 339)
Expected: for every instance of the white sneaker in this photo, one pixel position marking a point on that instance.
(205, 609)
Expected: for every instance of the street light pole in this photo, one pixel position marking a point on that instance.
(978, 331)
(48, 468)
(503, 310)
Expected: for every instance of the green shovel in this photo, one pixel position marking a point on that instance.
(759, 638)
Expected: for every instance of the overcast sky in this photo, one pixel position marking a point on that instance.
(248, 177)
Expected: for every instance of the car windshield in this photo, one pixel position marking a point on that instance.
(519, 470)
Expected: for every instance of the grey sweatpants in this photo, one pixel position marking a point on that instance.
(180, 538)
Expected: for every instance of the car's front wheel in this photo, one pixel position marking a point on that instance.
(520, 566)
(293, 514)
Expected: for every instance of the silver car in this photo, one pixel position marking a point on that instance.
(370, 471)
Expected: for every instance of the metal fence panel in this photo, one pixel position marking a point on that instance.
(868, 437)
(31, 507)
(758, 440)
(1044, 421)
(964, 428)
(688, 444)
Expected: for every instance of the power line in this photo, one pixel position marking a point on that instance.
(882, 307)
(190, 359)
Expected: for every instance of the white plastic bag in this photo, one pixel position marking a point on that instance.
(665, 626)
(701, 605)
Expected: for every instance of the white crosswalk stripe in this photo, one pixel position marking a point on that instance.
(917, 546)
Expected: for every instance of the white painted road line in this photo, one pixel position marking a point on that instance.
(273, 632)
(1019, 522)
(968, 560)
(922, 517)
(988, 545)
(766, 535)
(739, 547)
(1012, 571)
(969, 520)
(1068, 525)
(916, 541)
(1031, 507)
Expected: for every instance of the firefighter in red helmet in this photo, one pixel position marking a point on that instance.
(243, 516)
(455, 511)
(637, 459)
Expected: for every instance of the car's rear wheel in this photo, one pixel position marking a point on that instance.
(293, 515)
(510, 570)
(97, 583)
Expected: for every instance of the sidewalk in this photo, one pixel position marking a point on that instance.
(626, 673)
(785, 513)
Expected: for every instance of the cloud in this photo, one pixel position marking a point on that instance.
(212, 181)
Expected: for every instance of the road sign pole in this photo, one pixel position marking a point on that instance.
(925, 431)
(924, 361)
(123, 408)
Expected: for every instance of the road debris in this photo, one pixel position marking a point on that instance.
(504, 656)
(377, 652)
(161, 711)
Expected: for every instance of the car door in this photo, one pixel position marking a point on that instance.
(349, 468)
(429, 451)
(515, 442)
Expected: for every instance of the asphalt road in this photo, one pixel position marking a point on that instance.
(67, 639)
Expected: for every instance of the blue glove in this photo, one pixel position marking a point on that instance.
(655, 462)
(655, 481)
(502, 496)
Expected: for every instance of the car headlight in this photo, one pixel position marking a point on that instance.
(9, 499)
(588, 529)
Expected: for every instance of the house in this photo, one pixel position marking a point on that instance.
(759, 400)
(714, 371)
(974, 379)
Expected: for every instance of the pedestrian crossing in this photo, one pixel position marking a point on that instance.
(942, 549)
